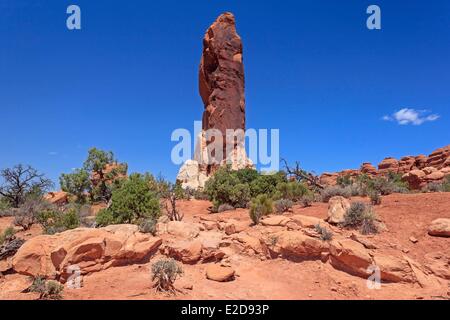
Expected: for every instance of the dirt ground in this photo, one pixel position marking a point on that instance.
(405, 216)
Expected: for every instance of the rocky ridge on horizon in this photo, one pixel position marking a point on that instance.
(418, 171)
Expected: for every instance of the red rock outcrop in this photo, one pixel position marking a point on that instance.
(388, 165)
(368, 168)
(417, 171)
(221, 78)
(59, 198)
(91, 250)
(222, 89)
(439, 158)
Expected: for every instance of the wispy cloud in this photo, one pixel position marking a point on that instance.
(408, 116)
(53, 153)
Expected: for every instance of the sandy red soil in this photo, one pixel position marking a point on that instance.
(405, 216)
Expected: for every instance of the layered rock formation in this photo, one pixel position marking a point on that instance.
(221, 86)
(418, 171)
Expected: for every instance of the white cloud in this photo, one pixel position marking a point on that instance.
(411, 116)
(53, 153)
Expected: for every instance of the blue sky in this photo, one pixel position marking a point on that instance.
(129, 78)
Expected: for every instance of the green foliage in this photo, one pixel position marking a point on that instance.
(226, 188)
(267, 184)
(148, 226)
(325, 234)
(6, 234)
(283, 205)
(76, 183)
(247, 176)
(164, 274)
(361, 216)
(237, 188)
(134, 200)
(47, 289)
(4, 204)
(56, 220)
(392, 183)
(293, 190)
(261, 206)
(104, 218)
(97, 160)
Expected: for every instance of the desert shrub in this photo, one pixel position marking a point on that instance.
(375, 198)
(361, 216)
(47, 289)
(225, 207)
(5, 207)
(390, 184)
(132, 202)
(6, 234)
(434, 187)
(76, 183)
(307, 200)
(330, 192)
(27, 214)
(283, 205)
(164, 274)
(354, 215)
(446, 184)
(368, 224)
(293, 190)
(104, 218)
(344, 181)
(267, 184)
(224, 187)
(325, 234)
(247, 176)
(261, 206)
(148, 226)
(56, 220)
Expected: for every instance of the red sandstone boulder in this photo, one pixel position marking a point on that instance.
(388, 165)
(296, 245)
(439, 157)
(406, 164)
(218, 273)
(337, 208)
(329, 179)
(91, 250)
(415, 179)
(368, 168)
(421, 162)
(440, 228)
(59, 198)
(351, 257)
